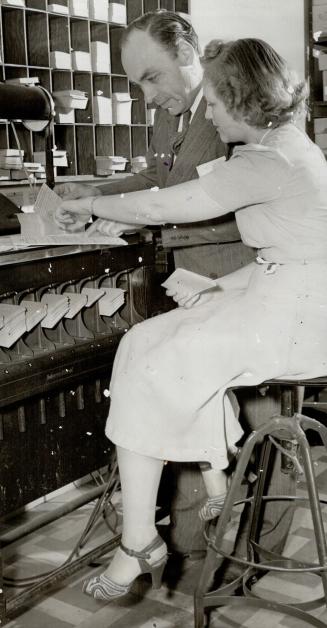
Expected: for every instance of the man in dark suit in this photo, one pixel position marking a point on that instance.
(160, 53)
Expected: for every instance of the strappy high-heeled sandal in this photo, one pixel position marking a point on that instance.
(212, 507)
(104, 588)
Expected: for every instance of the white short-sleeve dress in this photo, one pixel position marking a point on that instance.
(268, 320)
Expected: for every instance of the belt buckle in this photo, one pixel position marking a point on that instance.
(271, 266)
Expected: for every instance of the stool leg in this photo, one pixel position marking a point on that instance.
(257, 502)
(2, 595)
(318, 525)
(213, 559)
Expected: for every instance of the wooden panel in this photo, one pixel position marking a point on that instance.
(36, 4)
(41, 455)
(151, 5)
(181, 5)
(150, 134)
(115, 35)
(24, 137)
(3, 136)
(169, 5)
(37, 39)
(138, 106)
(79, 35)
(83, 81)
(119, 84)
(61, 79)
(101, 85)
(134, 10)
(65, 140)
(15, 72)
(104, 141)
(99, 32)
(122, 141)
(13, 37)
(59, 33)
(38, 142)
(85, 149)
(44, 77)
(139, 141)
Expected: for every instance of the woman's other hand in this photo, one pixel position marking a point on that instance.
(110, 228)
(73, 215)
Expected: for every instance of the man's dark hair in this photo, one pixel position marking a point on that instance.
(166, 27)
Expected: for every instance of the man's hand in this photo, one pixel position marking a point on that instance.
(72, 191)
(73, 215)
(111, 228)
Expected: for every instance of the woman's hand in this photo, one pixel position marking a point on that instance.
(186, 300)
(110, 228)
(73, 215)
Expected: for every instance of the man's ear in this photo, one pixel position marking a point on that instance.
(185, 52)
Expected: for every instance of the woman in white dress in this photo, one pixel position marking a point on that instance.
(169, 389)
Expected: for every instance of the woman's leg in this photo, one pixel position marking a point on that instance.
(140, 477)
(216, 486)
(214, 481)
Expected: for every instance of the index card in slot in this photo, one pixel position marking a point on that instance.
(93, 295)
(14, 324)
(76, 303)
(79, 8)
(81, 60)
(99, 10)
(14, 3)
(70, 98)
(35, 313)
(117, 13)
(100, 56)
(58, 306)
(58, 8)
(113, 299)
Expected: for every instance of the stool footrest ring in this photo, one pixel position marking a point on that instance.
(309, 620)
(309, 605)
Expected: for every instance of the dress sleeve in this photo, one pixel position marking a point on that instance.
(253, 175)
(250, 177)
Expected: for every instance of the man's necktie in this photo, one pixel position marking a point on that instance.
(179, 136)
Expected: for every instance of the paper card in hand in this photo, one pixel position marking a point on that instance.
(188, 282)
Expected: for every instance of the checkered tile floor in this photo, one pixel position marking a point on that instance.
(171, 606)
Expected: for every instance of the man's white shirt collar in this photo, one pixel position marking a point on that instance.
(193, 108)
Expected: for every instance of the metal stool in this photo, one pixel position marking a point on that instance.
(288, 426)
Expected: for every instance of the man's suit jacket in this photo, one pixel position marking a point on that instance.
(198, 246)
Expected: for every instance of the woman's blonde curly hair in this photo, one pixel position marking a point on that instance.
(254, 82)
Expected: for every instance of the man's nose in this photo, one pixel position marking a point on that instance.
(149, 94)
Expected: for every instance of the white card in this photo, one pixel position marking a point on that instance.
(192, 283)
